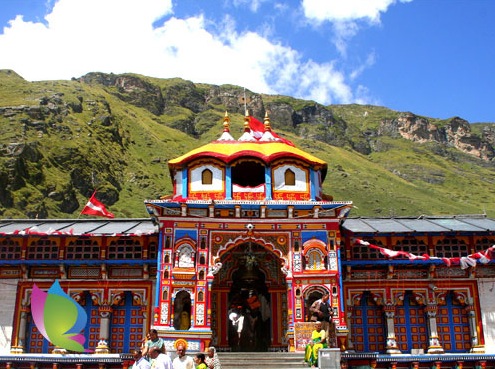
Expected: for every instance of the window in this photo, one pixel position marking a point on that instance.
(185, 256)
(412, 246)
(83, 249)
(290, 178)
(206, 177)
(365, 252)
(450, 248)
(9, 250)
(43, 249)
(315, 260)
(152, 250)
(125, 248)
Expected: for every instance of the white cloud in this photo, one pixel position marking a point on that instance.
(118, 36)
(345, 16)
(345, 10)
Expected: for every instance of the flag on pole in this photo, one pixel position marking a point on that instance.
(257, 129)
(94, 207)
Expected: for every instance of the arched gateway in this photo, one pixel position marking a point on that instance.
(247, 241)
(249, 297)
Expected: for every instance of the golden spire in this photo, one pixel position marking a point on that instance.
(266, 121)
(226, 122)
(226, 136)
(246, 121)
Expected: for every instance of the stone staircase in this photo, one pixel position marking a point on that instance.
(262, 360)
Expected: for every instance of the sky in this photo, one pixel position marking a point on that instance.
(434, 58)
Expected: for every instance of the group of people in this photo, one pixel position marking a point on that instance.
(153, 355)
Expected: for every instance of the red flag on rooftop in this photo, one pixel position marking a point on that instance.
(94, 207)
(258, 128)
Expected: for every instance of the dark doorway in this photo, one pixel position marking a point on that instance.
(249, 305)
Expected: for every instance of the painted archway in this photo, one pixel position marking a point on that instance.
(249, 298)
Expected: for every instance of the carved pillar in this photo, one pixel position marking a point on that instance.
(434, 346)
(475, 346)
(105, 312)
(144, 313)
(391, 344)
(350, 344)
(291, 299)
(18, 348)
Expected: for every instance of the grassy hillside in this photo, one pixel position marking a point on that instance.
(61, 139)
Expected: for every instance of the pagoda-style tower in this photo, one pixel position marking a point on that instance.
(247, 229)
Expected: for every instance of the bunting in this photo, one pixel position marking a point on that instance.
(94, 207)
(465, 262)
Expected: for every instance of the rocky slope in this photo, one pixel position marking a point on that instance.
(61, 139)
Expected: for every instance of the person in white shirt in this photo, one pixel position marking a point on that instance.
(139, 361)
(182, 361)
(159, 359)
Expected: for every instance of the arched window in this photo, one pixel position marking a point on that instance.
(10, 249)
(206, 177)
(315, 260)
(44, 248)
(186, 256)
(290, 178)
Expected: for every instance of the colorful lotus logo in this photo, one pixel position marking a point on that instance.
(58, 317)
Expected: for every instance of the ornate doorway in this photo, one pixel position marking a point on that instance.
(248, 297)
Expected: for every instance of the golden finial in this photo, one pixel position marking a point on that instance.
(246, 120)
(267, 122)
(226, 122)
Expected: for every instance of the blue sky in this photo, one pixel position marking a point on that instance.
(431, 57)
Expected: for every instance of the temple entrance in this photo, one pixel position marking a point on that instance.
(247, 300)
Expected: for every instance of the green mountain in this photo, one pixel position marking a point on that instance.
(59, 140)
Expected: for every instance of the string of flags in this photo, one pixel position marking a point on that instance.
(465, 262)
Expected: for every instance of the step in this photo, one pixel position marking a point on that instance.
(262, 360)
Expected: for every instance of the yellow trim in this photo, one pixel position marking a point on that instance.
(227, 151)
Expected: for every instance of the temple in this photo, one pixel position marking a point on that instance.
(248, 230)
(247, 219)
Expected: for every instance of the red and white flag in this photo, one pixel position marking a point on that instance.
(464, 261)
(257, 129)
(94, 207)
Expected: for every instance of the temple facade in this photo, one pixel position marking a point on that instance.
(248, 231)
(247, 221)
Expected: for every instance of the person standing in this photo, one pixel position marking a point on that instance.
(199, 360)
(212, 360)
(140, 361)
(159, 359)
(182, 361)
(153, 341)
(322, 311)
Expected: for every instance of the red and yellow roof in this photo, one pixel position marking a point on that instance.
(228, 151)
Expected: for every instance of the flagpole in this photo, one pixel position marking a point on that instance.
(245, 101)
(94, 192)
